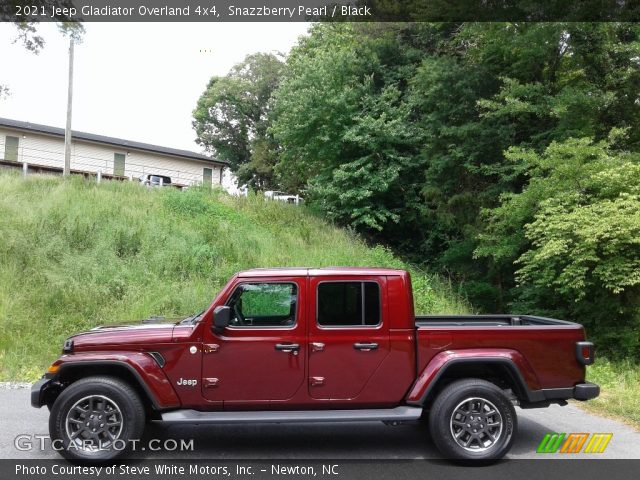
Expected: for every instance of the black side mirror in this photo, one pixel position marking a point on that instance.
(221, 318)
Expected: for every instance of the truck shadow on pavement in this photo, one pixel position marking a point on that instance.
(297, 441)
(318, 441)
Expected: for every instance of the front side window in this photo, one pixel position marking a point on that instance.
(264, 305)
(348, 304)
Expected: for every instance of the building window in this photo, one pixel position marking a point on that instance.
(118, 164)
(11, 148)
(207, 177)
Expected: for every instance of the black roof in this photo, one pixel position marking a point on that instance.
(90, 137)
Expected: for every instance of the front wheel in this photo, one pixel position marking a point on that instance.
(96, 419)
(473, 419)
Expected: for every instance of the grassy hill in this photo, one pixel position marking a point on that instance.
(75, 254)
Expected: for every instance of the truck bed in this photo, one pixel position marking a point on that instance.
(547, 346)
(486, 320)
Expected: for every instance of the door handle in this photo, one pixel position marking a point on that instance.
(365, 347)
(288, 347)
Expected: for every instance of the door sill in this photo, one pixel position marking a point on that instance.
(397, 414)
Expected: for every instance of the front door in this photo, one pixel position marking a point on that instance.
(348, 336)
(207, 177)
(11, 148)
(261, 356)
(118, 164)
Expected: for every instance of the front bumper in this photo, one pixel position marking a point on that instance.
(38, 390)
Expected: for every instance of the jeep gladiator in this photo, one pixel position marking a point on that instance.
(314, 345)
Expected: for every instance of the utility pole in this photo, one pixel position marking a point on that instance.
(67, 131)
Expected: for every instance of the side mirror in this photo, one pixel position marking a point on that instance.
(221, 318)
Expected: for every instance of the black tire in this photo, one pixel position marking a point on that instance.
(488, 435)
(108, 398)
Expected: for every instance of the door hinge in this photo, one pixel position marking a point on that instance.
(210, 382)
(316, 381)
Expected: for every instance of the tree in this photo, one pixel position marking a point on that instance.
(27, 33)
(472, 149)
(574, 231)
(230, 118)
(344, 127)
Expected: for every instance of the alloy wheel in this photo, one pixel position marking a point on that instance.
(94, 423)
(476, 424)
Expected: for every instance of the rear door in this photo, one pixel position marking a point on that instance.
(348, 335)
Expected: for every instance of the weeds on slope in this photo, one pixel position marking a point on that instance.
(75, 254)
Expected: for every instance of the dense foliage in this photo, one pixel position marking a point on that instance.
(502, 154)
(231, 118)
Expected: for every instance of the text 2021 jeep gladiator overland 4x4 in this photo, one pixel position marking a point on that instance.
(315, 345)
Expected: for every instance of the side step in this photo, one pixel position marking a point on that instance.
(398, 414)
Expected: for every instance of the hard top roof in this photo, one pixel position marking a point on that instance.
(317, 272)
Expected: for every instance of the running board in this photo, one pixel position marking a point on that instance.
(398, 414)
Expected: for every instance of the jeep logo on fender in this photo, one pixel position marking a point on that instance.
(187, 382)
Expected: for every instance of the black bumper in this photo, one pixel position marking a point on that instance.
(586, 391)
(37, 392)
(581, 391)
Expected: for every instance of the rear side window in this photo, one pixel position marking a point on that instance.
(348, 304)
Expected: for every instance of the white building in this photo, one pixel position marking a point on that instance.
(42, 148)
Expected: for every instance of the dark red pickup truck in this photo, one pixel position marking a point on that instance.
(314, 345)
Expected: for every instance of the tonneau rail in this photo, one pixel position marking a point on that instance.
(500, 320)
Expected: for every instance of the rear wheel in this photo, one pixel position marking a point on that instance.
(473, 420)
(96, 419)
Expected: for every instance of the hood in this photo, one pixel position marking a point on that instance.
(145, 333)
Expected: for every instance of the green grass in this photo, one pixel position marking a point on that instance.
(75, 254)
(619, 389)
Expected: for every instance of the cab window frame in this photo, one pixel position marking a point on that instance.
(260, 327)
(354, 326)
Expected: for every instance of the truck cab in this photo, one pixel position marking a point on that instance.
(313, 345)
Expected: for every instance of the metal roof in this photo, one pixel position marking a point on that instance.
(119, 142)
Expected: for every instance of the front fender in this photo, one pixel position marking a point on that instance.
(511, 359)
(140, 365)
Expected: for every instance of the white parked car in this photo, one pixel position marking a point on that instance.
(153, 180)
(282, 197)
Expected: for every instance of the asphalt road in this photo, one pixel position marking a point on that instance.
(364, 441)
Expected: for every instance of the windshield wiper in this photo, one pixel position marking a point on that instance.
(192, 319)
